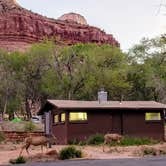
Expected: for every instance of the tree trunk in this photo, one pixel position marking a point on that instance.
(28, 110)
(11, 116)
(5, 108)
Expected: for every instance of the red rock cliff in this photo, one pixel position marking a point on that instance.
(19, 28)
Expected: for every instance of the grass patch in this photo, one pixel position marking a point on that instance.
(97, 139)
(131, 141)
(74, 142)
(19, 160)
(77, 142)
(69, 153)
(149, 151)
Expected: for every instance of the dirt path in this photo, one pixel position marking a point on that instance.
(11, 151)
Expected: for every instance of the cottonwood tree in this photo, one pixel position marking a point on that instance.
(147, 70)
(79, 71)
(11, 66)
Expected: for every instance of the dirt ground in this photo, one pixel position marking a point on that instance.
(11, 151)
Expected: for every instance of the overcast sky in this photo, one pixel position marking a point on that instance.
(128, 20)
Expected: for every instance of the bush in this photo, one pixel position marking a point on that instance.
(18, 160)
(29, 126)
(149, 151)
(77, 142)
(70, 152)
(95, 139)
(2, 136)
(130, 141)
(74, 142)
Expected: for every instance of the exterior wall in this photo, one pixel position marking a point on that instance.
(134, 124)
(126, 122)
(60, 133)
(60, 129)
(98, 122)
(116, 122)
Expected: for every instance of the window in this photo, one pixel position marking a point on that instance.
(77, 116)
(63, 117)
(56, 118)
(152, 116)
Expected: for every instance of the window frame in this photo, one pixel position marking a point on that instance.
(78, 121)
(63, 113)
(57, 119)
(153, 120)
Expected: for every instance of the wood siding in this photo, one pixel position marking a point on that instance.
(126, 122)
(134, 124)
(98, 122)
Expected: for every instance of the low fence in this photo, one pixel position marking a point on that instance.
(19, 136)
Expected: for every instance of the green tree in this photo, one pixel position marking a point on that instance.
(11, 66)
(79, 71)
(147, 70)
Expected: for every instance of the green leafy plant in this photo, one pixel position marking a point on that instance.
(149, 151)
(130, 141)
(73, 142)
(70, 152)
(95, 139)
(19, 160)
(29, 126)
(77, 142)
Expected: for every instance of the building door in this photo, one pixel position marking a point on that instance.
(117, 123)
(121, 124)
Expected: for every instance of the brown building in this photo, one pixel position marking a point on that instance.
(71, 120)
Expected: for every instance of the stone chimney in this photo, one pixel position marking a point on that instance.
(102, 96)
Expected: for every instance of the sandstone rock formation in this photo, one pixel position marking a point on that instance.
(7, 5)
(73, 17)
(19, 28)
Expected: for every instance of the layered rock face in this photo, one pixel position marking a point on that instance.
(73, 17)
(19, 28)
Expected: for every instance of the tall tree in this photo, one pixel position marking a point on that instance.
(79, 71)
(147, 69)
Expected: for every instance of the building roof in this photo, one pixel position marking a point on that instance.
(109, 105)
(73, 104)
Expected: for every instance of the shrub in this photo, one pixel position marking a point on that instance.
(73, 142)
(70, 152)
(130, 141)
(29, 126)
(95, 139)
(149, 151)
(2, 136)
(18, 160)
(82, 143)
(77, 142)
